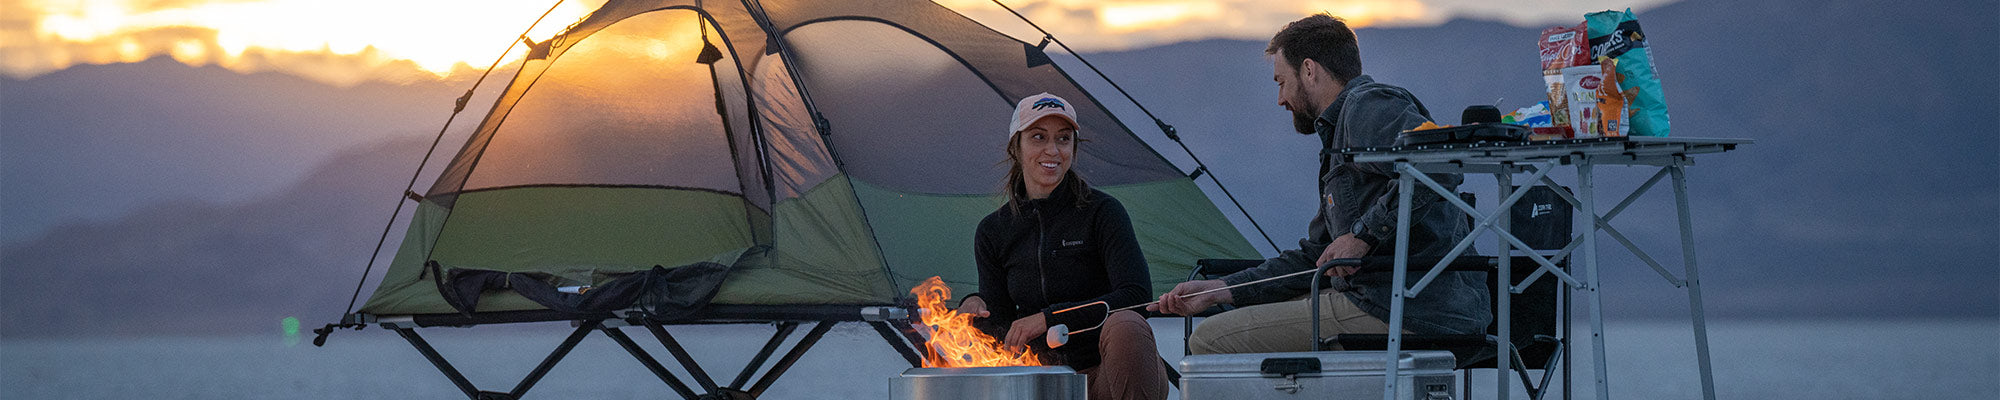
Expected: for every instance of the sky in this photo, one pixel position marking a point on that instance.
(398, 41)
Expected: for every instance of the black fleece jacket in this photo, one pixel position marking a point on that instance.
(1058, 253)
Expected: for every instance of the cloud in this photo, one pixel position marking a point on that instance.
(347, 42)
(1126, 24)
(342, 43)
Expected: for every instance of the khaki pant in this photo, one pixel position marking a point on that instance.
(1281, 326)
(1131, 367)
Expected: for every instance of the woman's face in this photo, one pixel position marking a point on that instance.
(1047, 148)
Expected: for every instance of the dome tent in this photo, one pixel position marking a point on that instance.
(830, 154)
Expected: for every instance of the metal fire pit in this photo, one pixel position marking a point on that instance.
(989, 383)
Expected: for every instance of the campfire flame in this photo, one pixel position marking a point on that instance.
(953, 341)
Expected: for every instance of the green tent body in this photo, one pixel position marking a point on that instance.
(835, 152)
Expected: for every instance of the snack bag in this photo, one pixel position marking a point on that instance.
(1580, 85)
(1616, 35)
(1536, 118)
(1562, 47)
(1611, 100)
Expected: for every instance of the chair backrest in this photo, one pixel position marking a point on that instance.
(1541, 219)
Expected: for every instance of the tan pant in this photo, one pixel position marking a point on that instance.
(1131, 367)
(1281, 326)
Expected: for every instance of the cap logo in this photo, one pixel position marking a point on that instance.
(1048, 103)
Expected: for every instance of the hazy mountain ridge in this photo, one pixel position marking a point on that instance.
(1865, 196)
(94, 142)
(1852, 104)
(193, 267)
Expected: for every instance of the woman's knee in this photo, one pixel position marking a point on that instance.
(1126, 328)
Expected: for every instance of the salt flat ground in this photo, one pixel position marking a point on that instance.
(1819, 359)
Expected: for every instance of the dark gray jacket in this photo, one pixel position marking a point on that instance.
(1360, 198)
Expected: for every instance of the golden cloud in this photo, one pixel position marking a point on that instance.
(342, 43)
(346, 42)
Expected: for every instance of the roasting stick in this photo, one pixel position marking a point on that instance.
(1059, 334)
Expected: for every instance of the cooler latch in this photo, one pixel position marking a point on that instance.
(1288, 368)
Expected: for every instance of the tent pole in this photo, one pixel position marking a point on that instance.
(1164, 127)
(409, 190)
(756, 10)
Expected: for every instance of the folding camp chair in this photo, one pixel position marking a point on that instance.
(1539, 312)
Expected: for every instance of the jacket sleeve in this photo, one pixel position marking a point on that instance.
(1375, 119)
(1288, 261)
(1124, 265)
(990, 256)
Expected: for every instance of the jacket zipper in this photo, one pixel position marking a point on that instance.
(1041, 241)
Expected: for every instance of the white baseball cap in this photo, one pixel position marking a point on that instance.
(1033, 108)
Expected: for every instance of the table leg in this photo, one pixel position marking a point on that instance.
(1396, 300)
(1693, 281)
(1503, 298)
(1586, 186)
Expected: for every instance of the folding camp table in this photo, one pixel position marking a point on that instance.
(1536, 159)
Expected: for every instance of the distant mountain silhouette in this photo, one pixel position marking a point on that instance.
(1870, 193)
(1870, 190)
(200, 267)
(95, 142)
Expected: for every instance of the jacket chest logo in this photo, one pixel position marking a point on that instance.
(1069, 243)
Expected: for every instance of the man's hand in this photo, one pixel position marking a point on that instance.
(1026, 329)
(974, 306)
(1173, 303)
(1345, 246)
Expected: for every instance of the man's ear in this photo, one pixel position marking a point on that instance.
(1310, 70)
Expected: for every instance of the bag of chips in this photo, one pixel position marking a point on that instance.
(1616, 35)
(1562, 47)
(1580, 85)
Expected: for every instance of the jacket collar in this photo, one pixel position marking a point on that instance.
(1063, 194)
(1330, 117)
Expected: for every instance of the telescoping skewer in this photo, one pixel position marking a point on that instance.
(1058, 335)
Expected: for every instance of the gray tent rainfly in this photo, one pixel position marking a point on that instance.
(817, 158)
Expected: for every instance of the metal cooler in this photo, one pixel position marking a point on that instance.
(1424, 375)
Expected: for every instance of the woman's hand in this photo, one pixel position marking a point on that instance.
(974, 306)
(1025, 329)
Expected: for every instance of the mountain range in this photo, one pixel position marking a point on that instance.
(158, 198)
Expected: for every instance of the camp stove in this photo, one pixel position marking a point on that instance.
(1057, 383)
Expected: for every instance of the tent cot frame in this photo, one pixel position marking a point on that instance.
(890, 322)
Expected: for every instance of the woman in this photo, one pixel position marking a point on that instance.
(1057, 244)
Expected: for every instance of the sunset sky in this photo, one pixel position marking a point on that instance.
(346, 42)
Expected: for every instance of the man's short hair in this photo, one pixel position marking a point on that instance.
(1323, 38)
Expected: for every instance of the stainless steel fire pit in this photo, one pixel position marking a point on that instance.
(989, 383)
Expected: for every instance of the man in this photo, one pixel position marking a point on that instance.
(1317, 65)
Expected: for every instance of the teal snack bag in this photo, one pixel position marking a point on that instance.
(1616, 34)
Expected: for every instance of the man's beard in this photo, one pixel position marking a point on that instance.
(1303, 122)
(1302, 118)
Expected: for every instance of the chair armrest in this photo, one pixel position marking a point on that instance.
(1523, 266)
(1211, 268)
(1381, 264)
